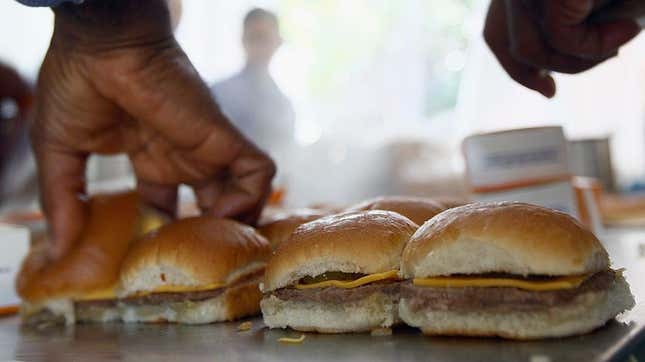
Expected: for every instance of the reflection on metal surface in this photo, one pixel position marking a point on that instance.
(160, 342)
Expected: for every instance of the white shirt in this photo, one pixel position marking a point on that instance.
(257, 107)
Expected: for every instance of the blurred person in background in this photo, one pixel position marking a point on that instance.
(17, 168)
(251, 98)
(530, 38)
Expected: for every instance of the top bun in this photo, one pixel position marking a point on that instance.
(196, 251)
(417, 209)
(280, 226)
(92, 265)
(505, 237)
(357, 242)
(449, 202)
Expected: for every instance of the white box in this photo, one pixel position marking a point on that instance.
(555, 195)
(14, 245)
(519, 157)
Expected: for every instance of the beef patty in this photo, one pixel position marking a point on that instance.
(337, 295)
(171, 297)
(498, 298)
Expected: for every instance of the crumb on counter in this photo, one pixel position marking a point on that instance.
(245, 326)
(292, 340)
(381, 332)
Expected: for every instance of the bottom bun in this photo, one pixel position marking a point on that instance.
(65, 311)
(236, 302)
(582, 315)
(376, 311)
(52, 311)
(96, 313)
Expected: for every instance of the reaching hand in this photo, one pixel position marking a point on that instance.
(115, 80)
(532, 37)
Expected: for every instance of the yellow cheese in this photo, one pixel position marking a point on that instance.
(245, 326)
(103, 294)
(392, 274)
(292, 340)
(180, 289)
(568, 282)
(149, 222)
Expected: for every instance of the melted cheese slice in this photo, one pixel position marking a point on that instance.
(180, 289)
(568, 282)
(102, 294)
(392, 274)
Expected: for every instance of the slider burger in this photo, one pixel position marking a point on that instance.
(449, 202)
(280, 226)
(417, 209)
(81, 285)
(337, 274)
(511, 270)
(194, 270)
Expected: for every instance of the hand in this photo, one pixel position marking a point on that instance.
(532, 37)
(114, 80)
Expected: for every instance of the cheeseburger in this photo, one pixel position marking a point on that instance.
(195, 270)
(511, 270)
(337, 274)
(81, 285)
(280, 226)
(417, 209)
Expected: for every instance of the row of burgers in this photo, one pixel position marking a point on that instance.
(485, 269)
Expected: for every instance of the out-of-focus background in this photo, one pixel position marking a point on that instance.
(382, 92)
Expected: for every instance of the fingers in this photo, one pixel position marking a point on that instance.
(161, 197)
(569, 32)
(193, 142)
(528, 45)
(62, 191)
(530, 38)
(497, 38)
(243, 192)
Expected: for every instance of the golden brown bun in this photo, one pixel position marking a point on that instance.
(506, 237)
(417, 209)
(451, 202)
(358, 242)
(281, 225)
(93, 263)
(196, 251)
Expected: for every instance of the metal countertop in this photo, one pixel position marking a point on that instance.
(223, 342)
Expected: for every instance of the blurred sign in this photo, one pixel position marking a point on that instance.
(555, 195)
(592, 158)
(500, 160)
(528, 165)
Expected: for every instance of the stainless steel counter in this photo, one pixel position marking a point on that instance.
(223, 342)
